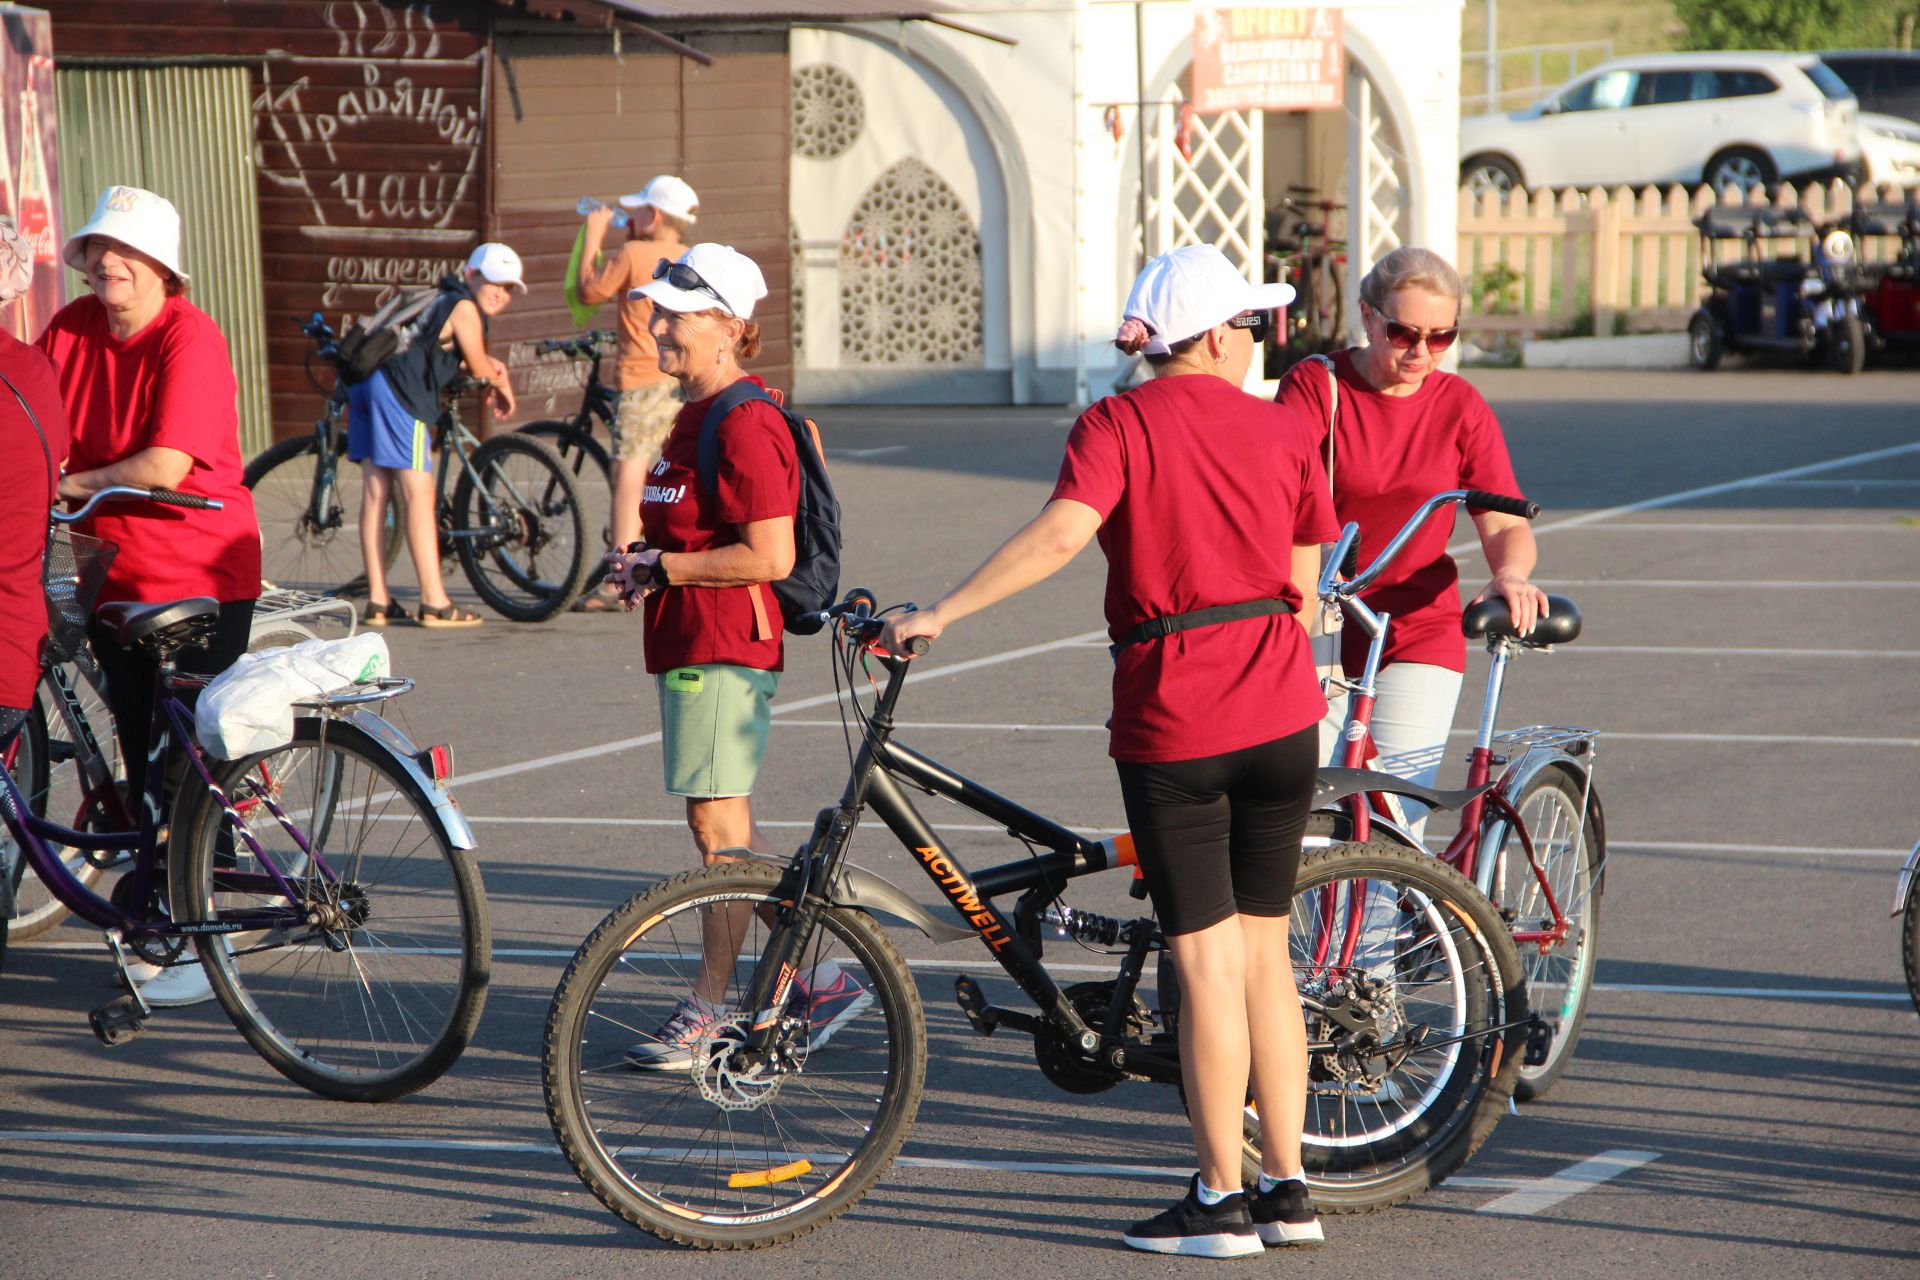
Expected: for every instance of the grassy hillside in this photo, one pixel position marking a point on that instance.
(1634, 26)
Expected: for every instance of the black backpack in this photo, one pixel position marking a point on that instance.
(815, 581)
(372, 340)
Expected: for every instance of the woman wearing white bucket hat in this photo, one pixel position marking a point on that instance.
(153, 401)
(1215, 705)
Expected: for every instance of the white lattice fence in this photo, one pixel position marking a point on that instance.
(1213, 193)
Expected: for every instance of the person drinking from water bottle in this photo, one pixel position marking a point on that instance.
(1215, 706)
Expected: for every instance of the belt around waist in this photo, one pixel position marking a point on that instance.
(1169, 624)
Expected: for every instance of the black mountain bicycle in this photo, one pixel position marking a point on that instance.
(514, 519)
(776, 1119)
(581, 452)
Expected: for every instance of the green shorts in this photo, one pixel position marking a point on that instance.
(713, 728)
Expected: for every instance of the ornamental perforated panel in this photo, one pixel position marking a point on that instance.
(827, 111)
(910, 274)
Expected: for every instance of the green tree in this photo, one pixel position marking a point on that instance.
(1773, 24)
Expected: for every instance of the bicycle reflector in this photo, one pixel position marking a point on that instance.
(437, 760)
(767, 1177)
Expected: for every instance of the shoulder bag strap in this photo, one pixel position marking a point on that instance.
(707, 463)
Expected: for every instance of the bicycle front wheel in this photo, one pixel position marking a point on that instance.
(591, 467)
(520, 529)
(680, 1129)
(1910, 947)
(309, 518)
(374, 988)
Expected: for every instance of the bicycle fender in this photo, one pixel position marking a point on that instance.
(873, 893)
(1909, 876)
(1581, 775)
(1332, 784)
(404, 753)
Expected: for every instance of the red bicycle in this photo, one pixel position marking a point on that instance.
(1533, 840)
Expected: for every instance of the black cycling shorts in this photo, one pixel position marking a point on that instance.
(1220, 835)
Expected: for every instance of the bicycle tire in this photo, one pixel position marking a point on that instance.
(579, 451)
(1559, 982)
(534, 561)
(297, 553)
(46, 788)
(630, 1133)
(381, 1007)
(1910, 946)
(1390, 1158)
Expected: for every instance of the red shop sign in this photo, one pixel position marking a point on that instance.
(1270, 59)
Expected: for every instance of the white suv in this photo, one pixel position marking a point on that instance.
(1750, 119)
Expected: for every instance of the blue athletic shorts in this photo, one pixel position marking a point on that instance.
(381, 431)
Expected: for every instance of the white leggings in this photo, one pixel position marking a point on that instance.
(1411, 717)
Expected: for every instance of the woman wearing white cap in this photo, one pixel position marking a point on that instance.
(663, 214)
(1215, 705)
(153, 402)
(713, 625)
(387, 431)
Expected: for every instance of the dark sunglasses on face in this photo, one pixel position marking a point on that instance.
(1256, 321)
(685, 278)
(1405, 337)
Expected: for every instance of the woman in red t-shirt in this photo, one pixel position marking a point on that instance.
(1402, 432)
(1213, 729)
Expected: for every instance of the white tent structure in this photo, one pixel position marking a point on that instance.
(967, 213)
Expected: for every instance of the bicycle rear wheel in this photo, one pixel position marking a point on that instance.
(310, 543)
(588, 462)
(704, 1146)
(381, 995)
(520, 529)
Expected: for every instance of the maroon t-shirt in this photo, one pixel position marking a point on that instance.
(1203, 493)
(759, 479)
(26, 495)
(1390, 454)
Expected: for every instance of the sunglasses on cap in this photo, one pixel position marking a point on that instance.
(687, 280)
(1259, 322)
(1405, 337)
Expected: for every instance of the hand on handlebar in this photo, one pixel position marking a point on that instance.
(501, 388)
(1526, 603)
(904, 628)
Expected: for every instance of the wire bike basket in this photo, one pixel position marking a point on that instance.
(76, 570)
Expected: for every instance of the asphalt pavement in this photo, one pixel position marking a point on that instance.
(1745, 1099)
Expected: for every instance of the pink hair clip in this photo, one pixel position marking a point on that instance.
(1132, 336)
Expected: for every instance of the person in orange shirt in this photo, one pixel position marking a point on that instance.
(663, 213)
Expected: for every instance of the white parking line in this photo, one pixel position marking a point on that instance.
(1670, 526)
(1723, 584)
(1610, 735)
(1586, 1175)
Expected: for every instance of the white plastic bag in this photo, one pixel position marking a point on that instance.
(249, 706)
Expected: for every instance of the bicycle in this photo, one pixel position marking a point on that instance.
(1906, 905)
(514, 518)
(1308, 258)
(573, 438)
(775, 1125)
(327, 885)
(1533, 840)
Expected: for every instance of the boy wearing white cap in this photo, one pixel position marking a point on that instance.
(663, 213)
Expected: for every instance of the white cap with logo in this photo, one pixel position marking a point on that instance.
(668, 194)
(136, 218)
(1185, 292)
(706, 277)
(497, 264)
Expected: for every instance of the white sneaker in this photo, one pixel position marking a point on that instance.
(177, 987)
(140, 972)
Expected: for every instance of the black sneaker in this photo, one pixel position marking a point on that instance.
(1197, 1230)
(1284, 1215)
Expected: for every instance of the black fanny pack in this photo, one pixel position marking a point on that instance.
(1156, 628)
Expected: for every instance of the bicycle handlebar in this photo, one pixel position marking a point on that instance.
(579, 345)
(165, 497)
(858, 614)
(1346, 551)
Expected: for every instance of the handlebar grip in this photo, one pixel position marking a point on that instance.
(174, 498)
(919, 645)
(1521, 507)
(1351, 565)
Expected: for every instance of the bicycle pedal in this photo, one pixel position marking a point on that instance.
(973, 1003)
(1539, 1043)
(118, 1021)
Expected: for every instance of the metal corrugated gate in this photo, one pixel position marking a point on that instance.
(187, 133)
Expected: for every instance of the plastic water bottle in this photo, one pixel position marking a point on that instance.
(588, 204)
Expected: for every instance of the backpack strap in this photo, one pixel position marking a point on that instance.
(707, 465)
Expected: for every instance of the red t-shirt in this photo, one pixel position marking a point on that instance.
(26, 494)
(1390, 454)
(759, 479)
(1203, 493)
(170, 385)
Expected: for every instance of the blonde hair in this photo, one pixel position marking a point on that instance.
(1410, 267)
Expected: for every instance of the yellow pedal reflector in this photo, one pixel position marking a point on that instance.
(767, 1177)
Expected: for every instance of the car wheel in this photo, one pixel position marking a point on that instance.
(1490, 173)
(1705, 343)
(1741, 168)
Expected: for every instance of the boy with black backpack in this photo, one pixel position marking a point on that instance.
(417, 345)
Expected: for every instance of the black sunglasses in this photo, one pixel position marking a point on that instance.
(1405, 337)
(1259, 322)
(687, 280)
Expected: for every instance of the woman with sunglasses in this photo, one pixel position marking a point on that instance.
(1215, 707)
(1402, 431)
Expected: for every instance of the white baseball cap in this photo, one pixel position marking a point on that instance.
(1188, 291)
(668, 194)
(497, 264)
(732, 282)
(138, 219)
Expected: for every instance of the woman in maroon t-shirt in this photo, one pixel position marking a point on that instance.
(1213, 723)
(1402, 432)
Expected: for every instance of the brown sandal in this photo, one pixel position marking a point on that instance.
(599, 600)
(379, 615)
(448, 615)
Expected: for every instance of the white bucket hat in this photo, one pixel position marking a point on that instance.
(497, 264)
(138, 219)
(1188, 291)
(670, 195)
(726, 279)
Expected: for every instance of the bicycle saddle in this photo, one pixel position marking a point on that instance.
(1492, 618)
(136, 620)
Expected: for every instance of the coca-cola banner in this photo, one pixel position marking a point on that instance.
(29, 182)
(1267, 58)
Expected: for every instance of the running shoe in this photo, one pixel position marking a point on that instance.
(827, 1009)
(1284, 1215)
(672, 1048)
(1197, 1230)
